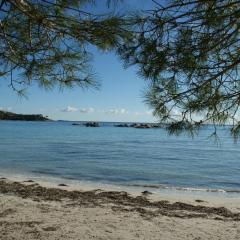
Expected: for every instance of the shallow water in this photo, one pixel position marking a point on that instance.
(124, 156)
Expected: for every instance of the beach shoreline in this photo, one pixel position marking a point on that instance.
(68, 213)
(172, 194)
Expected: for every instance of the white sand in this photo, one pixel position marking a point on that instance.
(25, 219)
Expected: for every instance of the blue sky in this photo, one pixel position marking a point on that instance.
(120, 97)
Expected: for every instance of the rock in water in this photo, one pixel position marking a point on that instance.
(91, 124)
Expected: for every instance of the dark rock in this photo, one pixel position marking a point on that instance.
(76, 124)
(122, 125)
(146, 193)
(143, 126)
(156, 126)
(50, 229)
(28, 181)
(62, 185)
(91, 124)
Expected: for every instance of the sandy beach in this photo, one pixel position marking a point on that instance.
(30, 211)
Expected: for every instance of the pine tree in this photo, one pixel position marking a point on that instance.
(46, 42)
(189, 50)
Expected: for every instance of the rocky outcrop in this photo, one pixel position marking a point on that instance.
(122, 125)
(91, 124)
(87, 124)
(139, 125)
(22, 117)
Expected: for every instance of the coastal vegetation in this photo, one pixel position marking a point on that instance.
(47, 42)
(22, 117)
(188, 51)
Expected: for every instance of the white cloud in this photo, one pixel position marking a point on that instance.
(123, 111)
(137, 113)
(5, 108)
(87, 110)
(116, 111)
(69, 109)
(113, 111)
(149, 112)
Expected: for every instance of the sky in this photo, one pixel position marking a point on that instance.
(120, 97)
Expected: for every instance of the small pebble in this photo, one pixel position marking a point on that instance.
(146, 193)
(29, 181)
(62, 185)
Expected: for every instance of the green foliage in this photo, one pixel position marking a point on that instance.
(189, 51)
(46, 42)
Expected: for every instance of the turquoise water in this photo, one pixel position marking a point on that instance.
(124, 156)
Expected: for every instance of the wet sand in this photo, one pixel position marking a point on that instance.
(29, 210)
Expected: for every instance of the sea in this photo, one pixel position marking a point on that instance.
(147, 158)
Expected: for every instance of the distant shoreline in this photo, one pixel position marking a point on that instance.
(10, 116)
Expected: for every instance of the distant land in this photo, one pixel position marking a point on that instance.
(22, 117)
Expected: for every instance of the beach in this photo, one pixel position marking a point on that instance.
(120, 120)
(33, 210)
(59, 181)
